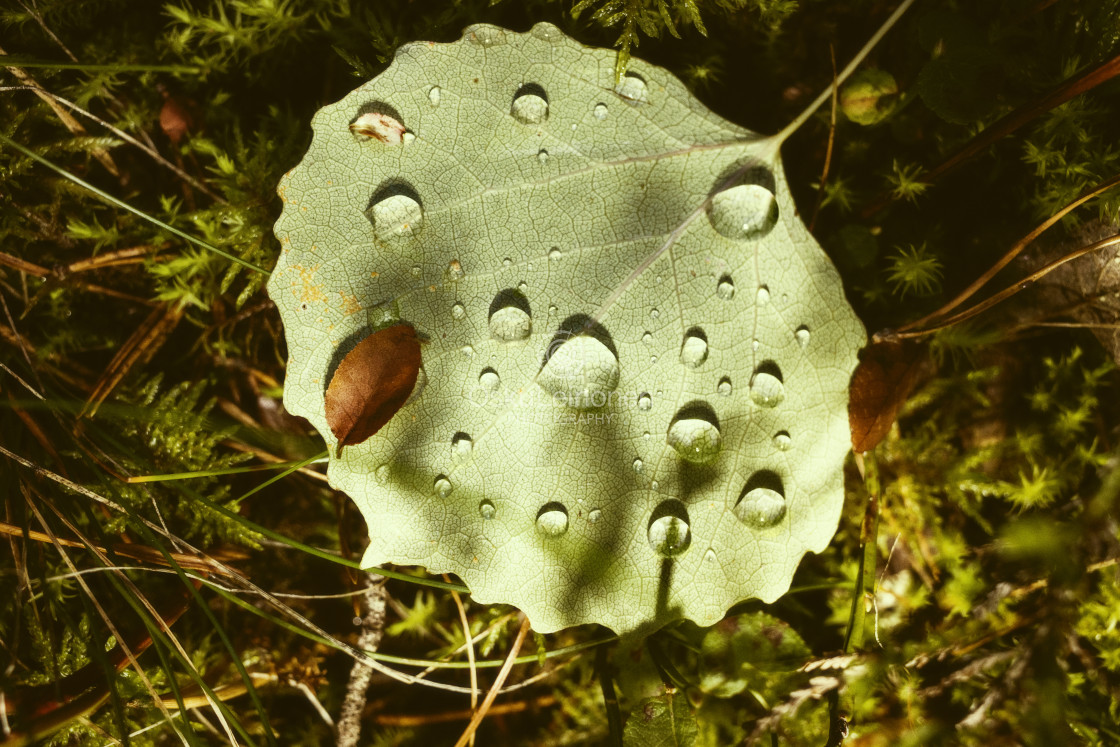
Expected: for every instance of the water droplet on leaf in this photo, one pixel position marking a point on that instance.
(530, 106)
(489, 379)
(725, 288)
(580, 372)
(745, 211)
(802, 335)
(458, 311)
(434, 95)
(669, 535)
(600, 111)
(486, 510)
(644, 401)
(760, 507)
(695, 439)
(694, 349)
(782, 441)
(633, 90)
(442, 486)
(767, 389)
(552, 520)
(724, 387)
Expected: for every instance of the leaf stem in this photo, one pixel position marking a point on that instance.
(847, 71)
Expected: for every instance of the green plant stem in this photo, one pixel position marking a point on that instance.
(227, 471)
(125, 206)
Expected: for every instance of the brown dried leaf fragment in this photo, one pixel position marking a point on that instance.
(380, 127)
(884, 378)
(371, 383)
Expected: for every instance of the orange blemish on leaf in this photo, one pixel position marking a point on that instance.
(375, 274)
(350, 304)
(307, 289)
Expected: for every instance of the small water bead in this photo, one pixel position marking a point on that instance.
(594, 515)
(639, 465)
(633, 90)
(669, 535)
(395, 215)
(442, 486)
(654, 313)
(467, 351)
(695, 440)
(782, 441)
(542, 156)
(653, 359)
(552, 309)
(802, 335)
(724, 387)
(763, 295)
(694, 349)
(580, 373)
(600, 112)
(455, 270)
(655, 486)
(725, 288)
(552, 520)
(646, 435)
(529, 108)
(458, 311)
(555, 254)
(486, 510)
(761, 507)
(755, 345)
(710, 556)
(745, 211)
(509, 317)
(507, 262)
(647, 338)
(415, 270)
(767, 389)
(645, 402)
(434, 95)
(523, 287)
(461, 446)
(489, 379)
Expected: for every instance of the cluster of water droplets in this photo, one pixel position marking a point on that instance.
(584, 366)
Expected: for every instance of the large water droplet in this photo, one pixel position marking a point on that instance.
(782, 441)
(510, 319)
(694, 349)
(763, 296)
(600, 111)
(458, 311)
(745, 211)
(724, 387)
(442, 486)
(695, 438)
(461, 446)
(552, 520)
(644, 401)
(486, 510)
(668, 532)
(434, 95)
(633, 90)
(762, 505)
(802, 335)
(489, 379)
(580, 372)
(767, 389)
(395, 214)
(725, 288)
(530, 104)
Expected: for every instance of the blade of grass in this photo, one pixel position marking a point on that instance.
(125, 206)
(18, 60)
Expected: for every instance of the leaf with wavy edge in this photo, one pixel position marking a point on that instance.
(633, 401)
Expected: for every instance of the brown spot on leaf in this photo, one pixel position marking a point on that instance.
(884, 378)
(372, 383)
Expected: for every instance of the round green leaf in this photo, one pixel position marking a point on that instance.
(632, 406)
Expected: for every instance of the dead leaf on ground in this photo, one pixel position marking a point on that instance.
(371, 383)
(884, 378)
